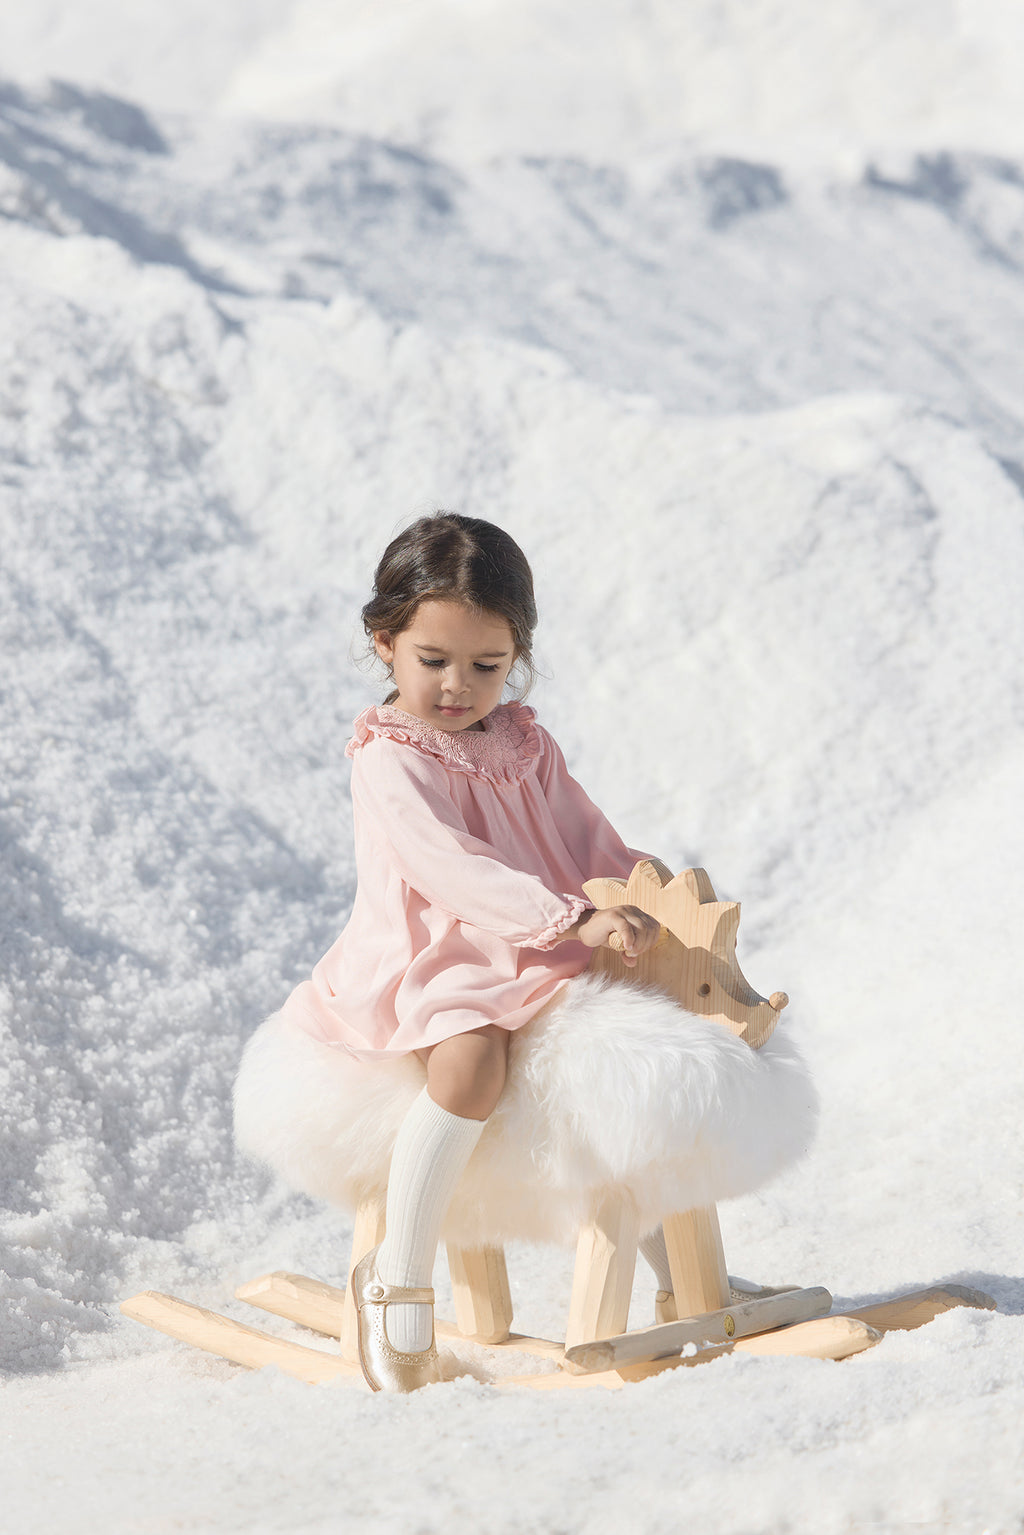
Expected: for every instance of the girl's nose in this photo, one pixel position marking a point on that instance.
(456, 683)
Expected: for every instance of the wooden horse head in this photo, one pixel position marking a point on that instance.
(695, 958)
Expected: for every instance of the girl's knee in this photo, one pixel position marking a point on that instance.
(466, 1074)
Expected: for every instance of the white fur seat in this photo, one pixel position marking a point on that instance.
(612, 1089)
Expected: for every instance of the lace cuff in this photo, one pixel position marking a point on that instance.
(551, 935)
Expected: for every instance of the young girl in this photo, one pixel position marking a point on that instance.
(472, 847)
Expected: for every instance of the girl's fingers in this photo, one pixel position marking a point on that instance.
(631, 937)
(623, 940)
(627, 937)
(639, 931)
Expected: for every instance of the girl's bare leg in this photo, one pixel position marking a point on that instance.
(466, 1074)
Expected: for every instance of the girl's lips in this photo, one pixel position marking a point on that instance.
(446, 710)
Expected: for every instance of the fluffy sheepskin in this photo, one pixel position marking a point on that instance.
(612, 1087)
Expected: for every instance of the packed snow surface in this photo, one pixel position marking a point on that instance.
(719, 309)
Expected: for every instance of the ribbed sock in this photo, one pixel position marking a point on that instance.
(654, 1250)
(430, 1155)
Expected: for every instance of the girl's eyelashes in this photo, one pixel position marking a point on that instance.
(436, 663)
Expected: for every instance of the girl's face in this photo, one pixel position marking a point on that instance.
(449, 665)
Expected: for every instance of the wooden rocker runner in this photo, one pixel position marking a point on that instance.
(703, 1317)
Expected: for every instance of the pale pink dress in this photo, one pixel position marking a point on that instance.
(471, 851)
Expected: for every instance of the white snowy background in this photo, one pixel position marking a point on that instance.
(717, 306)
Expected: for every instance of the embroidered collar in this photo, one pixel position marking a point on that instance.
(504, 751)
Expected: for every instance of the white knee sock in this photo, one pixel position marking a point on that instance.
(654, 1250)
(431, 1151)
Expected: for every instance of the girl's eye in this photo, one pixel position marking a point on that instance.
(436, 663)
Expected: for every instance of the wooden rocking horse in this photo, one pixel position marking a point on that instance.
(695, 965)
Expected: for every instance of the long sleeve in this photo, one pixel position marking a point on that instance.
(590, 837)
(409, 800)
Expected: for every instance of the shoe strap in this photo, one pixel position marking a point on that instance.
(376, 1292)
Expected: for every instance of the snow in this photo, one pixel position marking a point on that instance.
(719, 310)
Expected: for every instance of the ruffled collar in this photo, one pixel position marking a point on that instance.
(504, 751)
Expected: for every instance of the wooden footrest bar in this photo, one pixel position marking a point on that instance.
(713, 1327)
(828, 1337)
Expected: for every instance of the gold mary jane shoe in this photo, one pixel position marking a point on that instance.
(385, 1367)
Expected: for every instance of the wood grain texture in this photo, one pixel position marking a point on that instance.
(905, 1312)
(830, 1337)
(319, 1306)
(311, 1302)
(696, 1260)
(827, 1338)
(603, 1277)
(233, 1340)
(695, 960)
(480, 1291)
(732, 1323)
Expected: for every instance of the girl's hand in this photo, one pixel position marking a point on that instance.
(637, 930)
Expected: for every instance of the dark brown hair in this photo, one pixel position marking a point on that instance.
(450, 558)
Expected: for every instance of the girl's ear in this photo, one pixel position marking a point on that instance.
(383, 646)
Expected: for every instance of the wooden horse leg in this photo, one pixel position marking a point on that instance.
(483, 1301)
(367, 1232)
(696, 1260)
(603, 1277)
